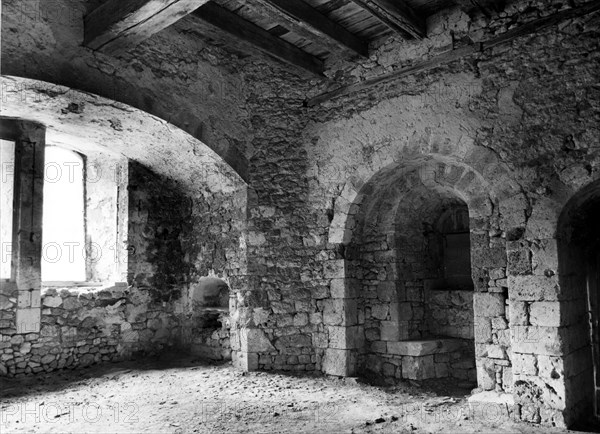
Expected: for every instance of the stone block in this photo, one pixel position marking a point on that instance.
(424, 347)
(337, 288)
(483, 330)
(536, 340)
(495, 352)
(386, 291)
(418, 368)
(379, 347)
(441, 370)
(486, 375)
(497, 273)
(544, 257)
(482, 405)
(28, 320)
(389, 370)
(488, 304)
(533, 288)
(519, 262)
(334, 269)
(546, 313)
(525, 363)
(390, 331)
(338, 362)
(333, 312)
(372, 334)
(338, 337)
(499, 323)
(300, 319)
(518, 313)
(379, 311)
(245, 361)
(255, 341)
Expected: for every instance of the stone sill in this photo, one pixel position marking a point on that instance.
(214, 310)
(425, 347)
(80, 287)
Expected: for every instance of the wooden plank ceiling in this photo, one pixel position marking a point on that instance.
(301, 33)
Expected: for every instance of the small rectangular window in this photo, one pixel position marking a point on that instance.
(7, 184)
(457, 260)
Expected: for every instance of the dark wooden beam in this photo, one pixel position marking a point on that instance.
(450, 56)
(313, 25)
(254, 36)
(117, 25)
(397, 15)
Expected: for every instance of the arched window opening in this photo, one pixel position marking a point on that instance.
(63, 239)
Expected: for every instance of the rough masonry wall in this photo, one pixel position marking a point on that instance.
(519, 105)
(83, 326)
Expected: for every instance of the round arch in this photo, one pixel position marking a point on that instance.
(83, 121)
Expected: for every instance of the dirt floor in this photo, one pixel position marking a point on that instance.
(184, 395)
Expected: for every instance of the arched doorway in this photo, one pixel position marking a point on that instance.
(410, 259)
(579, 270)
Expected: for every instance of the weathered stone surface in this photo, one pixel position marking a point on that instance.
(255, 341)
(532, 288)
(418, 368)
(338, 362)
(425, 347)
(52, 301)
(488, 305)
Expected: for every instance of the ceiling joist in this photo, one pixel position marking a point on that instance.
(117, 25)
(397, 15)
(311, 24)
(251, 35)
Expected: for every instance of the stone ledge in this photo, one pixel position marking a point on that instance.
(424, 347)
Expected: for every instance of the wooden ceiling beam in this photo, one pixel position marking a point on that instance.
(249, 34)
(397, 15)
(117, 25)
(311, 24)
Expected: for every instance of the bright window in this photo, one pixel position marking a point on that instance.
(7, 180)
(63, 240)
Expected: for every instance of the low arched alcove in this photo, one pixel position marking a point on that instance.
(410, 256)
(210, 301)
(579, 304)
(388, 227)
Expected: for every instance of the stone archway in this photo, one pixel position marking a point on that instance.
(577, 309)
(449, 180)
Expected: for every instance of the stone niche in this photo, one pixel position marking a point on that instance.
(210, 311)
(412, 257)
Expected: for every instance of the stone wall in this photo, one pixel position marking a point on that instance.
(491, 112)
(450, 313)
(84, 326)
